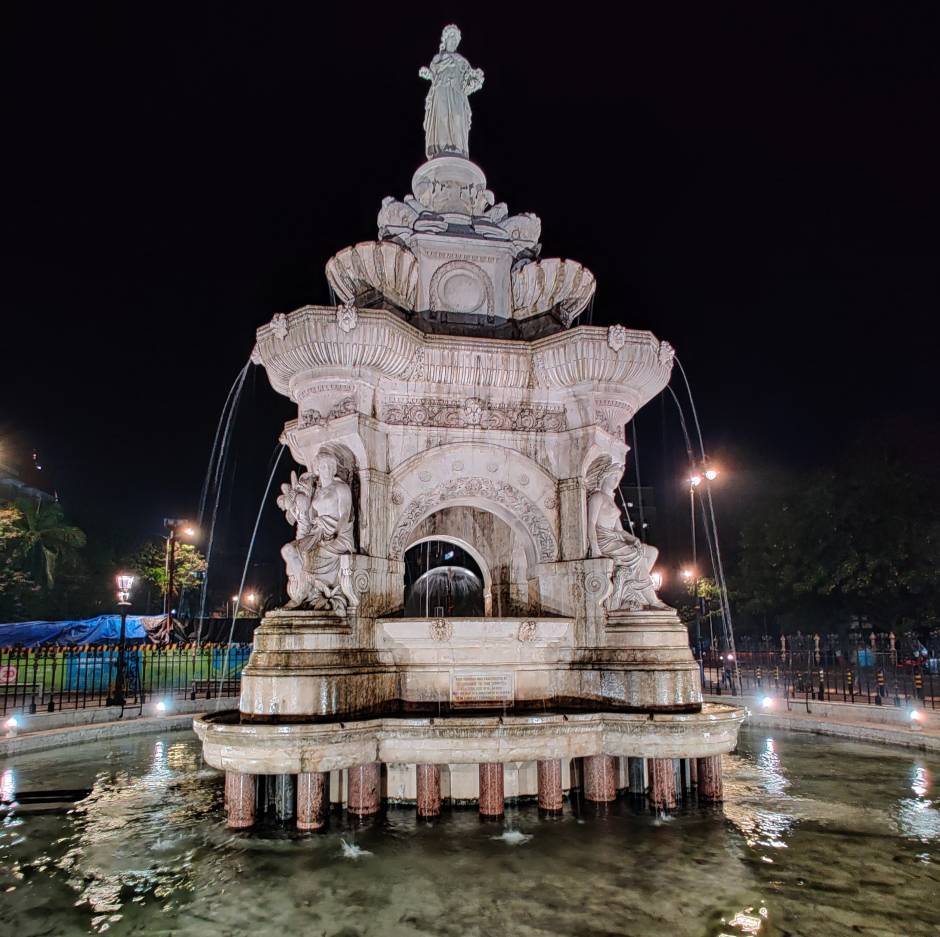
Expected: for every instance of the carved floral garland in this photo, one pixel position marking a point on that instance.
(473, 412)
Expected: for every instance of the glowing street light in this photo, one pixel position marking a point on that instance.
(688, 574)
(175, 526)
(125, 582)
(695, 481)
(711, 474)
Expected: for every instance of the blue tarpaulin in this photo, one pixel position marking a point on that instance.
(105, 629)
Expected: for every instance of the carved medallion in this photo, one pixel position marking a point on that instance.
(461, 286)
(528, 631)
(347, 316)
(279, 325)
(440, 629)
(616, 337)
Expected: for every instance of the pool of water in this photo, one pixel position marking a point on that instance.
(816, 837)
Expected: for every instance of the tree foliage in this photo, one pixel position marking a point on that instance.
(188, 569)
(862, 540)
(15, 583)
(44, 538)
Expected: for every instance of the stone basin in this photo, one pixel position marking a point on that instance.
(295, 748)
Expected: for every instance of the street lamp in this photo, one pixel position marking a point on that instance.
(175, 526)
(125, 583)
(238, 601)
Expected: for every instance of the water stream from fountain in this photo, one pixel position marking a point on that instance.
(276, 456)
(219, 455)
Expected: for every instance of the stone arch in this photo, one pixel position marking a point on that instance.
(493, 495)
(494, 478)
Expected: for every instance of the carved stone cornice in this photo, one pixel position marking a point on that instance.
(309, 344)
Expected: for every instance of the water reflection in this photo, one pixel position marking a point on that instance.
(147, 852)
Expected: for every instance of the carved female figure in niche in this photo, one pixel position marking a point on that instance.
(446, 108)
(631, 585)
(317, 560)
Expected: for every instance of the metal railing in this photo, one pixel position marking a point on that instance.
(880, 679)
(50, 679)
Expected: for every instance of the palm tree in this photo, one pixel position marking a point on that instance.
(46, 538)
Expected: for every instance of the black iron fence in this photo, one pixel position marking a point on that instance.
(880, 679)
(49, 679)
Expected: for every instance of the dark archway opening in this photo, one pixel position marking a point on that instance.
(442, 580)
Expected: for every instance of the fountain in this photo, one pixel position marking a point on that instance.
(451, 396)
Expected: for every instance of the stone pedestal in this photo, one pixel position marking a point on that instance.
(312, 802)
(663, 784)
(364, 789)
(492, 801)
(428, 790)
(550, 792)
(239, 800)
(709, 779)
(600, 778)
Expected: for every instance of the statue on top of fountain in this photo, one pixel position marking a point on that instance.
(631, 585)
(318, 559)
(447, 108)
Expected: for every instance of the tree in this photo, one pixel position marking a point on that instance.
(859, 540)
(15, 584)
(189, 567)
(45, 539)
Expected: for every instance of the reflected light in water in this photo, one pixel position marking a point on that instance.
(7, 784)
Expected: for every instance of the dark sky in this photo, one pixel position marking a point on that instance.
(756, 183)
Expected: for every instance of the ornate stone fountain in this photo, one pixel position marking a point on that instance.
(451, 396)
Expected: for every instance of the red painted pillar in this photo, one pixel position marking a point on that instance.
(663, 784)
(364, 789)
(491, 790)
(600, 778)
(550, 794)
(709, 779)
(312, 805)
(239, 800)
(428, 786)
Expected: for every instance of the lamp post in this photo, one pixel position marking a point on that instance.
(174, 526)
(124, 583)
(238, 601)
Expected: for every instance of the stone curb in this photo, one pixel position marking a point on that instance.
(45, 739)
(843, 724)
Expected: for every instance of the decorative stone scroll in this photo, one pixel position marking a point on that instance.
(312, 417)
(485, 489)
(473, 413)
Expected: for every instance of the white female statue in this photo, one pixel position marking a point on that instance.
(318, 570)
(631, 585)
(446, 109)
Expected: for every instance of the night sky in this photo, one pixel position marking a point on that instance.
(758, 186)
